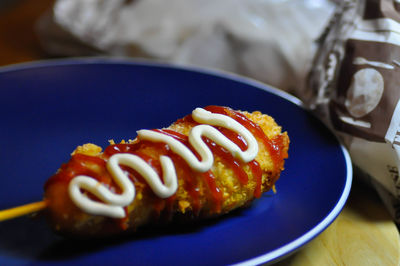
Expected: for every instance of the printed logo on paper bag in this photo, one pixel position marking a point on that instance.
(368, 88)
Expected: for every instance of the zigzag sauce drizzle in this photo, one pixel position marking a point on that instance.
(113, 204)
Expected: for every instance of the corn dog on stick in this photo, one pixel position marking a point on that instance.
(204, 165)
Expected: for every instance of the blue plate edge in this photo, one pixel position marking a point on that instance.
(149, 62)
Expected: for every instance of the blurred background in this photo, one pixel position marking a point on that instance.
(18, 39)
(269, 40)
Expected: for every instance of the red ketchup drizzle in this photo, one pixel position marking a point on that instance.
(159, 204)
(228, 159)
(257, 173)
(273, 146)
(81, 164)
(188, 174)
(254, 166)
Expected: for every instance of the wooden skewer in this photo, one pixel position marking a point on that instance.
(22, 210)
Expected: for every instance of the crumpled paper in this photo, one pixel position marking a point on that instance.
(354, 86)
(269, 40)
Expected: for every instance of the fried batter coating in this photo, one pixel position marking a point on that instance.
(227, 186)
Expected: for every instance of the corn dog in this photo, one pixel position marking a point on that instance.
(204, 165)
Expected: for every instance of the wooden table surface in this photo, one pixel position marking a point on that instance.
(363, 234)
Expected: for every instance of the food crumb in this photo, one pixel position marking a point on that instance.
(87, 149)
(183, 205)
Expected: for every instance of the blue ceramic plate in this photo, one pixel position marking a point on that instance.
(48, 108)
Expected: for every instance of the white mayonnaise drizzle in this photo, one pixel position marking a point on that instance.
(113, 204)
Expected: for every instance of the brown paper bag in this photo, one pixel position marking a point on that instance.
(354, 86)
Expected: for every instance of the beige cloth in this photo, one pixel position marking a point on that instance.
(269, 40)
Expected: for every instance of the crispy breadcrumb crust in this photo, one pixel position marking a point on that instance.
(145, 209)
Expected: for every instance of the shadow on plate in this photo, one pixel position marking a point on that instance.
(32, 239)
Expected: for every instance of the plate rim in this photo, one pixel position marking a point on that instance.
(270, 256)
(152, 63)
(291, 247)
